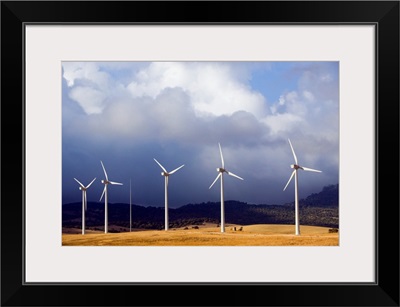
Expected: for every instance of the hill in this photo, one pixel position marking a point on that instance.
(328, 197)
(318, 209)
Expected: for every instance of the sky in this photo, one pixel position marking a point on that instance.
(126, 114)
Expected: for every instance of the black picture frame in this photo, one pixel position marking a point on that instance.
(383, 14)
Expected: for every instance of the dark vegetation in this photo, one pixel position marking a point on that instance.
(318, 209)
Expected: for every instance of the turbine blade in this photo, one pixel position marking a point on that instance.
(105, 173)
(219, 175)
(176, 169)
(162, 167)
(222, 157)
(289, 180)
(294, 155)
(310, 169)
(79, 183)
(233, 175)
(90, 183)
(102, 194)
(117, 183)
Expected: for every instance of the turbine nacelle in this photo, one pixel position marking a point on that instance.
(164, 171)
(222, 170)
(82, 187)
(295, 166)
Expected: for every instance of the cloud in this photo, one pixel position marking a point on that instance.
(214, 88)
(89, 86)
(308, 96)
(285, 122)
(88, 71)
(91, 100)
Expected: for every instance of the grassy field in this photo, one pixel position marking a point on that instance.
(207, 235)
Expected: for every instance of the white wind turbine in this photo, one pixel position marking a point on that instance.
(296, 167)
(106, 182)
(221, 171)
(166, 175)
(84, 201)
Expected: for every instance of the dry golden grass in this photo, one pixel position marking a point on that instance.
(209, 235)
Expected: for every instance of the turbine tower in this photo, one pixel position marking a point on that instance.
(221, 171)
(166, 175)
(296, 167)
(106, 182)
(84, 201)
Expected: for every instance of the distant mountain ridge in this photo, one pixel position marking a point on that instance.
(328, 197)
(318, 209)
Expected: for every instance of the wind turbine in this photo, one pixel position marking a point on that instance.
(296, 167)
(221, 171)
(166, 175)
(106, 182)
(84, 201)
